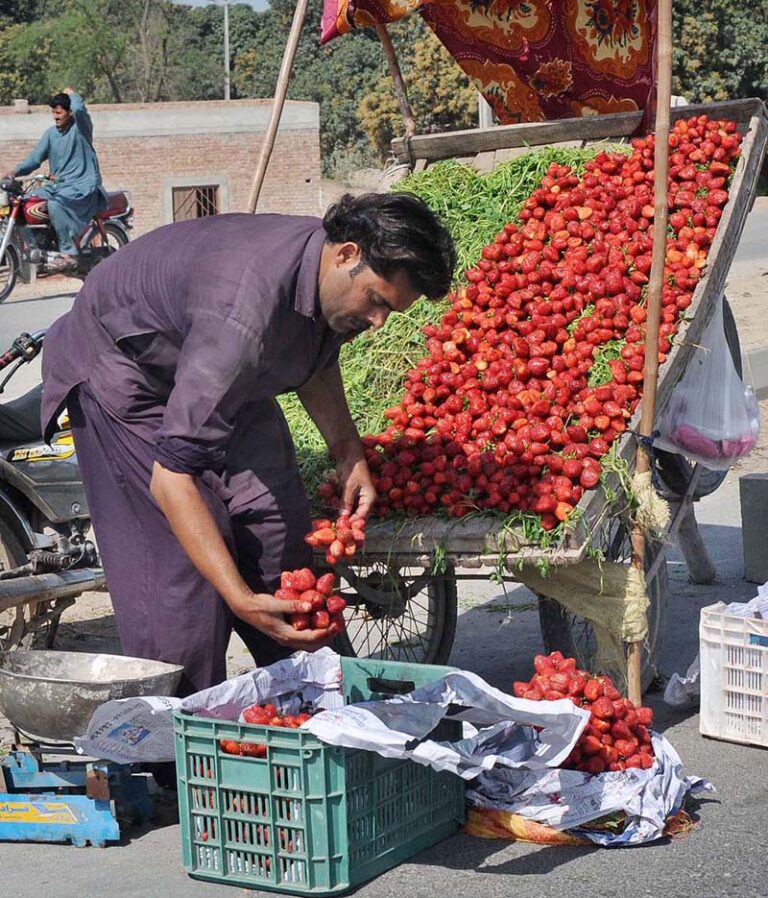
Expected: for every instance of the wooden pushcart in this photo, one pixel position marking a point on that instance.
(404, 588)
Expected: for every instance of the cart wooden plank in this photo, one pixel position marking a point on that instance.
(478, 540)
(598, 127)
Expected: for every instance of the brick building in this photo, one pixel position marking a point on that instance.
(183, 160)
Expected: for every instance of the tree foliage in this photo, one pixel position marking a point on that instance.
(147, 50)
(440, 94)
(719, 49)
(335, 76)
(114, 51)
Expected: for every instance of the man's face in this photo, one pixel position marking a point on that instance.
(352, 297)
(61, 116)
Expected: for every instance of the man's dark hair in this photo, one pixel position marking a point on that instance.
(396, 232)
(60, 100)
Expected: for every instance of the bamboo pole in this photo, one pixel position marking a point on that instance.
(655, 286)
(401, 92)
(227, 88)
(289, 54)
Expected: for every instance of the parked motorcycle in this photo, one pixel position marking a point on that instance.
(46, 557)
(28, 242)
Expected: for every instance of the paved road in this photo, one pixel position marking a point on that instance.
(497, 637)
(752, 244)
(30, 309)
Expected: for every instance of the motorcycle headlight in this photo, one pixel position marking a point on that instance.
(5, 200)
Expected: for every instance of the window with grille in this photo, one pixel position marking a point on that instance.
(195, 202)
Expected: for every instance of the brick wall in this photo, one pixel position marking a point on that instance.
(149, 149)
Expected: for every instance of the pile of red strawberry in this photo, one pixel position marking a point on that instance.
(341, 540)
(266, 715)
(616, 737)
(507, 411)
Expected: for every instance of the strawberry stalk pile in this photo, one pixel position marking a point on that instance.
(616, 737)
(341, 540)
(537, 367)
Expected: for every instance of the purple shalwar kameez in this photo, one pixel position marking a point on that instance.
(174, 351)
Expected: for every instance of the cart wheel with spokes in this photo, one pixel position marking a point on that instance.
(574, 636)
(398, 613)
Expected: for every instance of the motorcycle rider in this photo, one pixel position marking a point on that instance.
(170, 362)
(75, 194)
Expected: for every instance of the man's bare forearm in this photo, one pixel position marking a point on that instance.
(195, 528)
(326, 404)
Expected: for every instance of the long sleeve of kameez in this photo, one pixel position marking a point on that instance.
(36, 157)
(82, 117)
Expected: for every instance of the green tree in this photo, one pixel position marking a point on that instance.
(14, 12)
(78, 46)
(116, 51)
(204, 56)
(335, 76)
(719, 49)
(440, 94)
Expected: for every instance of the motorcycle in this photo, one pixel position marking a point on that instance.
(28, 242)
(46, 557)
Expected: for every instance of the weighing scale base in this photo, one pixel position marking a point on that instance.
(68, 801)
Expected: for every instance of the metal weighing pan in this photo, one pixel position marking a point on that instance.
(52, 695)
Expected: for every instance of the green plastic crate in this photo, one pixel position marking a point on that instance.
(310, 818)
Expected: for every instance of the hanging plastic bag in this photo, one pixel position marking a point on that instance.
(712, 417)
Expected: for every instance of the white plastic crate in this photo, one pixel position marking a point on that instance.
(734, 677)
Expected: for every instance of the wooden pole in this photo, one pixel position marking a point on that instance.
(653, 299)
(289, 54)
(227, 91)
(401, 92)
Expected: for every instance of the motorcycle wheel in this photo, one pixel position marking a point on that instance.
(31, 625)
(13, 620)
(116, 236)
(9, 272)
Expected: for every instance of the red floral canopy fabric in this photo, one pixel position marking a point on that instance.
(532, 60)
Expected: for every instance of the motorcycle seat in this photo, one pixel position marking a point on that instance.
(20, 418)
(117, 204)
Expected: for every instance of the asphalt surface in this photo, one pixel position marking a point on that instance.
(497, 636)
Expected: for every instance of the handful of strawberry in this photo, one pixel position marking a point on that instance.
(342, 539)
(617, 735)
(327, 609)
(265, 715)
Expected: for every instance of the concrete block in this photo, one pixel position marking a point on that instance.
(757, 367)
(753, 492)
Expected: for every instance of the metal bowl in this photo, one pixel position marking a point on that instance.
(52, 695)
